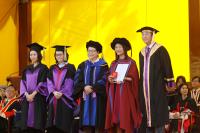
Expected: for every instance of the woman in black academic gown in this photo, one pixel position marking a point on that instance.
(173, 94)
(60, 87)
(33, 91)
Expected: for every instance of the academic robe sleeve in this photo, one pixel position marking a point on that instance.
(192, 105)
(42, 81)
(13, 109)
(68, 86)
(174, 105)
(50, 84)
(167, 67)
(99, 86)
(133, 74)
(23, 87)
(79, 81)
(135, 81)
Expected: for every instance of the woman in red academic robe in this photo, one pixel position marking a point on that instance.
(123, 112)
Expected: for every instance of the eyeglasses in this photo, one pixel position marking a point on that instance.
(59, 54)
(91, 51)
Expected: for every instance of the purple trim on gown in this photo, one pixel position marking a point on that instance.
(29, 86)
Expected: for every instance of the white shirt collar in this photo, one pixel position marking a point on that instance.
(95, 60)
(151, 45)
(62, 64)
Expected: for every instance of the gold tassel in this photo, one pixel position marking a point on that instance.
(43, 55)
(65, 55)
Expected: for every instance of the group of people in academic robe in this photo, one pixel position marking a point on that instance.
(195, 94)
(49, 95)
(183, 103)
(184, 110)
(46, 94)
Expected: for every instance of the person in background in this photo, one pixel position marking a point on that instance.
(172, 94)
(195, 94)
(179, 81)
(195, 91)
(8, 109)
(183, 111)
(2, 92)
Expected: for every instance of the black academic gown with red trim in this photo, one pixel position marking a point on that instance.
(9, 108)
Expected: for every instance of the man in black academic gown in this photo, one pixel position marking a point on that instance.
(155, 75)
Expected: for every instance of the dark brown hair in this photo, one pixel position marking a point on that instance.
(39, 56)
(196, 77)
(125, 53)
(182, 78)
(179, 89)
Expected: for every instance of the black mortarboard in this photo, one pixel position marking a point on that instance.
(147, 28)
(36, 47)
(60, 47)
(122, 41)
(95, 45)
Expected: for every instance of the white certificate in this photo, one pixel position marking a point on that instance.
(121, 72)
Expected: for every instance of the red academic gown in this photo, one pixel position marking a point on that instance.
(122, 102)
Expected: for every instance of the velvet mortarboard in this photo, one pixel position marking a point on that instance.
(95, 45)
